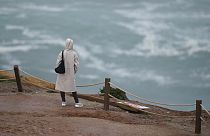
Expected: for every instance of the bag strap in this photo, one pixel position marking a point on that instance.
(62, 54)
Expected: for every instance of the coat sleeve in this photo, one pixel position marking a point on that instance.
(59, 58)
(76, 62)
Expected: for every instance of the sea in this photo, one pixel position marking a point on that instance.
(158, 50)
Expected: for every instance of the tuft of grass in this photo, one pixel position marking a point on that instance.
(116, 93)
(3, 77)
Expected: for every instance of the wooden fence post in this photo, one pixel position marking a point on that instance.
(17, 76)
(198, 117)
(106, 95)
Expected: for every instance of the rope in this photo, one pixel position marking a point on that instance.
(33, 76)
(7, 79)
(162, 115)
(149, 100)
(202, 119)
(87, 85)
(157, 114)
(114, 97)
(41, 86)
(205, 109)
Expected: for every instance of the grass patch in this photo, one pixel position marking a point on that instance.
(117, 93)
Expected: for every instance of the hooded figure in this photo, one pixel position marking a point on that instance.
(66, 82)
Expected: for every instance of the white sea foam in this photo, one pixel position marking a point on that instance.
(32, 6)
(14, 27)
(96, 49)
(83, 52)
(50, 41)
(90, 77)
(144, 75)
(11, 60)
(141, 14)
(54, 42)
(7, 10)
(150, 44)
(120, 72)
(13, 42)
(21, 15)
(206, 76)
(25, 31)
(126, 5)
(153, 6)
(151, 48)
(194, 46)
(202, 85)
(22, 48)
(202, 73)
(35, 34)
(151, 24)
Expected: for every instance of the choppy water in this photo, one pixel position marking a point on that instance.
(158, 49)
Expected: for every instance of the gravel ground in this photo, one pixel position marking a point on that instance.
(36, 112)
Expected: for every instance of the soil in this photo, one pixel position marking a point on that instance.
(36, 112)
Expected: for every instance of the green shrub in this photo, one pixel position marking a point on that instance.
(116, 93)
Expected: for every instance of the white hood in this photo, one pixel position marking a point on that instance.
(69, 44)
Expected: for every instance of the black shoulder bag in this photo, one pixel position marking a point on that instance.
(61, 66)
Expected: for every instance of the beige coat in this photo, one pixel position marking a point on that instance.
(66, 82)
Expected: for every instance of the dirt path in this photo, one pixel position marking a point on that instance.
(19, 125)
(40, 113)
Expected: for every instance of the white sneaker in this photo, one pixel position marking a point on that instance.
(63, 104)
(78, 105)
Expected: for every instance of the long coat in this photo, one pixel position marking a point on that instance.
(66, 82)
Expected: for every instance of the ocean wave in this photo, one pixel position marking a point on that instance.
(7, 10)
(155, 42)
(148, 48)
(26, 31)
(47, 42)
(90, 77)
(30, 33)
(21, 15)
(143, 75)
(202, 73)
(150, 45)
(141, 14)
(97, 48)
(32, 6)
(154, 6)
(120, 72)
(83, 52)
(22, 48)
(14, 27)
(11, 60)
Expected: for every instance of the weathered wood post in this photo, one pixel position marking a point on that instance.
(106, 95)
(198, 117)
(17, 76)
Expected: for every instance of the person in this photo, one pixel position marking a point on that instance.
(66, 82)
